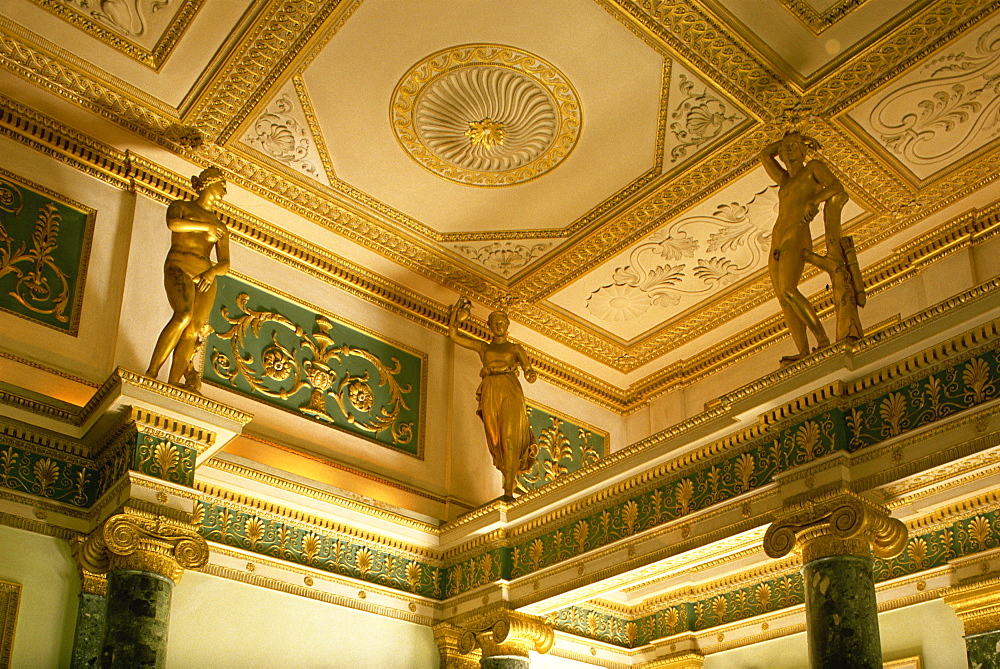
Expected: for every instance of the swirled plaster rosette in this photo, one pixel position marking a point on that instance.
(486, 115)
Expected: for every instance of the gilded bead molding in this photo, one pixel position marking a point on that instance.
(131, 541)
(505, 632)
(842, 523)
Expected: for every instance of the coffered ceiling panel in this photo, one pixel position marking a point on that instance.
(941, 111)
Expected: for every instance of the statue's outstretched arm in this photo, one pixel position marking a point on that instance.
(459, 313)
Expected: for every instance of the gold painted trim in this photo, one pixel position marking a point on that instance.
(151, 58)
(309, 521)
(317, 133)
(10, 599)
(48, 370)
(271, 583)
(818, 22)
(324, 496)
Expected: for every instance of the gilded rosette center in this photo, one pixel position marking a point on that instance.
(486, 115)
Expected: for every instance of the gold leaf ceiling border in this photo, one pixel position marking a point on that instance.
(267, 50)
(153, 59)
(911, 42)
(818, 22)
(128, 171)
(317, 133)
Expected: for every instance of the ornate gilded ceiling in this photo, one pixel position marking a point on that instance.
(590, 166)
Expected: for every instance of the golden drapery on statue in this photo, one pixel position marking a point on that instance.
(802, 188)
(501, 401)
(189, 276)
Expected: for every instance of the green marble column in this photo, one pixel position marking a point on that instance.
(138, 613)
(841, 613)
(504, 662)
(89, 631)
(983, 650)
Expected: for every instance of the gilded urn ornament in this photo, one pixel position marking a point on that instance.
(501, 400)
(802, 187)
(189, 277)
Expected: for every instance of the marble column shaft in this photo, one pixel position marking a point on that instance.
(841, 613)
(505, 662)
(138, 614)
(89, 631)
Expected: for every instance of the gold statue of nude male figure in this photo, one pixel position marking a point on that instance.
(802, 188)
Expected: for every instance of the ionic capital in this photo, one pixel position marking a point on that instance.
(446, 636)
(141, 543)
(506, 632)
(842, 523)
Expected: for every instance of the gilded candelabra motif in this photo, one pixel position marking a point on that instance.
(562, 448)
(38, 274)
(316, 364)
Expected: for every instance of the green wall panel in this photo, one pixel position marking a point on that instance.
(44, 246)
(287, 355)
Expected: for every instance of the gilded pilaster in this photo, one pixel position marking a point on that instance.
(837, 533)
(505, 638)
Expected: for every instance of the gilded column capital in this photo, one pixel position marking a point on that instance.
(505, 632)
(842, 523)
(136, 542)
(977, 605)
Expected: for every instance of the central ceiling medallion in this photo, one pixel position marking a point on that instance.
(486, 115)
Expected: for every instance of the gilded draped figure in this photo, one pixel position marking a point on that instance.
(501, 401)
(189, 276)
(802, 187)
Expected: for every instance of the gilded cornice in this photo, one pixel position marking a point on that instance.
(711, 47)
(279, 585)
(48, 370)
(818, 22)
(44, 442)
(901, 48)
(307, 521)
(153, 59)
(323, 496)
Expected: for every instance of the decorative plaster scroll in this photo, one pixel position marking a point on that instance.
(505, 257)
(944, 110)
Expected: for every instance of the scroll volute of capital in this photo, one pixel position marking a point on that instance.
(848, 526)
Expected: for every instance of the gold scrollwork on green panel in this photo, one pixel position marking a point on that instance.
(44, 244)
(563, 447)
(284, 354)
(164, 459)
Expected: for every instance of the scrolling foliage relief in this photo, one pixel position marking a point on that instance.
(283, 354)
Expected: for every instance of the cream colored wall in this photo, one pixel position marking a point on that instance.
(220, 623)
(930, 630)
(43, 636)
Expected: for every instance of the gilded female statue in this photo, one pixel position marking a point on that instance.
(189, 276)
(501, 401)
(802, 188)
